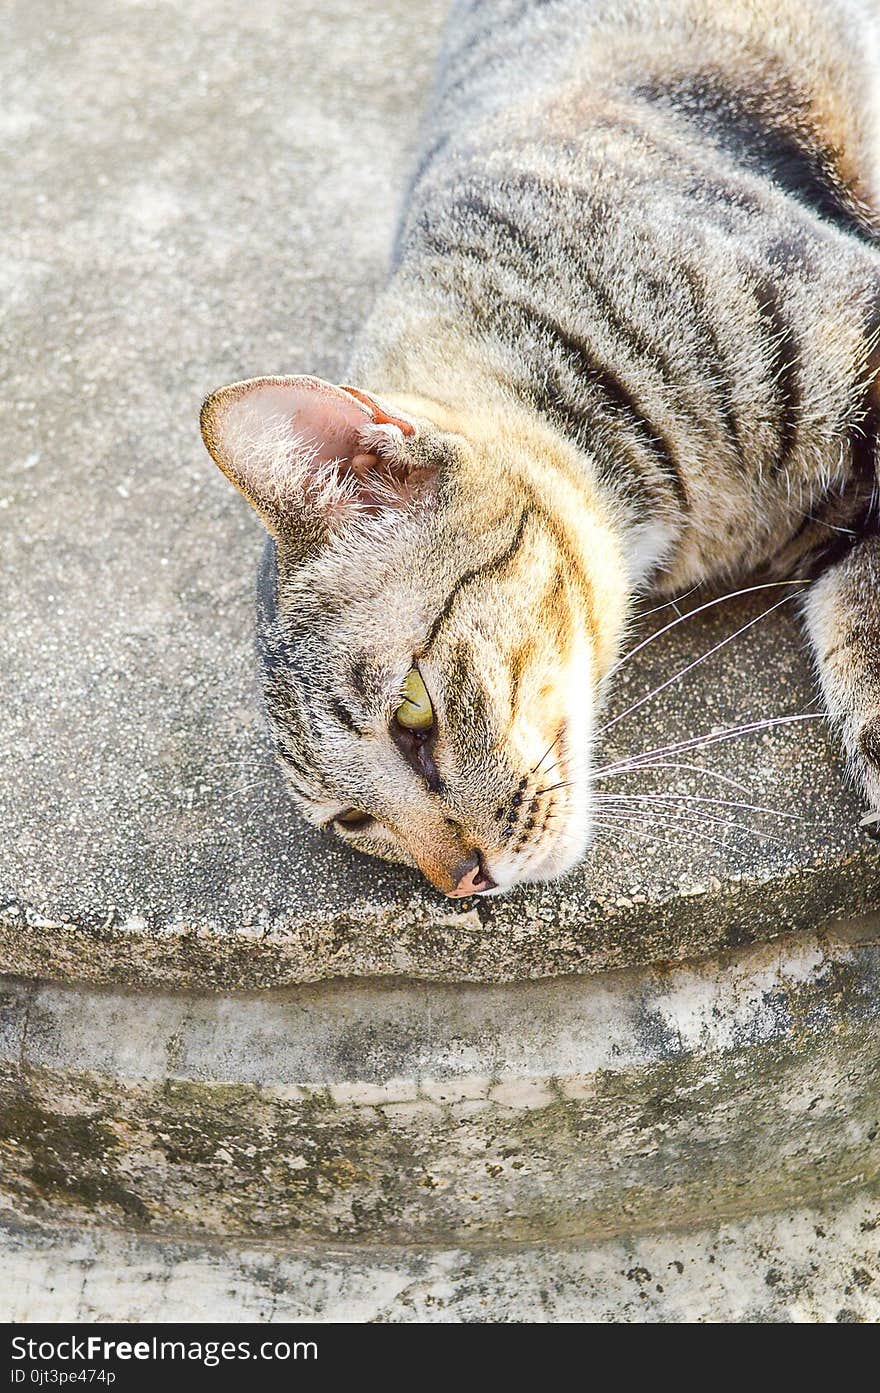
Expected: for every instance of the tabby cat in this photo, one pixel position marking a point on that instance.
(629, 344)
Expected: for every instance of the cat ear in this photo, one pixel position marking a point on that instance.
(298, 446)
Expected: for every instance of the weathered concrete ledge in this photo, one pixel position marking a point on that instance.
(808, 1265)
(145, 837)
(532, 935)
(577, 1109)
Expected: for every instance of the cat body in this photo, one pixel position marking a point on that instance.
(630, 342)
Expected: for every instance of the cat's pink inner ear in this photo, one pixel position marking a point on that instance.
(315, 416)
(294, 442)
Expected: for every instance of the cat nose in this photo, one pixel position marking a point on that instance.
(471, 878)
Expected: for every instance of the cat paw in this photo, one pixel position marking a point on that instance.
(870, 823)
(867, 760)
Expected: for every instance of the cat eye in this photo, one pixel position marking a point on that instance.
(412, 729)
(352, 818)
(415, 712)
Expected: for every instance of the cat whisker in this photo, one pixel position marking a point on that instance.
(691, 614)
(701, 741)
(697, 769)
(694, 798)
(644, 614)
(691, 827)
(624, 827)
(550, 747)
(676, 677)
(693, 820)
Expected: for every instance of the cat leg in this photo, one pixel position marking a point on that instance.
(842, 613)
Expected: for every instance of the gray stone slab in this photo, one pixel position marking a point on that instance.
(418, 1113)
(804, 1265)
(15, 1004)
(396, 1042)
(196, 195)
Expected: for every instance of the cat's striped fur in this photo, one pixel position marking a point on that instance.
(631, 340)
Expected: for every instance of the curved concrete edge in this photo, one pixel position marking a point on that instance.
(385, 1041)
(532, 934)
(144, 835)
(405, 1113)
(805, 1265)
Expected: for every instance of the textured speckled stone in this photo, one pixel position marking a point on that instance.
(578, 1108)
(193, 195)
(805, 1266)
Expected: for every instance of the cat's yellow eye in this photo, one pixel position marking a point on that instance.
(415, 712)
(352, 818)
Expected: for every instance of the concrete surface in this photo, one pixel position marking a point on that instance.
(813, 1265)
(580, 1108)
(197, 193)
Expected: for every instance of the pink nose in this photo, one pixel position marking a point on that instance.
(472, 878)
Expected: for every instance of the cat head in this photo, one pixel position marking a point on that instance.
(439, 611)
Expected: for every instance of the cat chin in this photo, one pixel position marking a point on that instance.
(566, 852)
